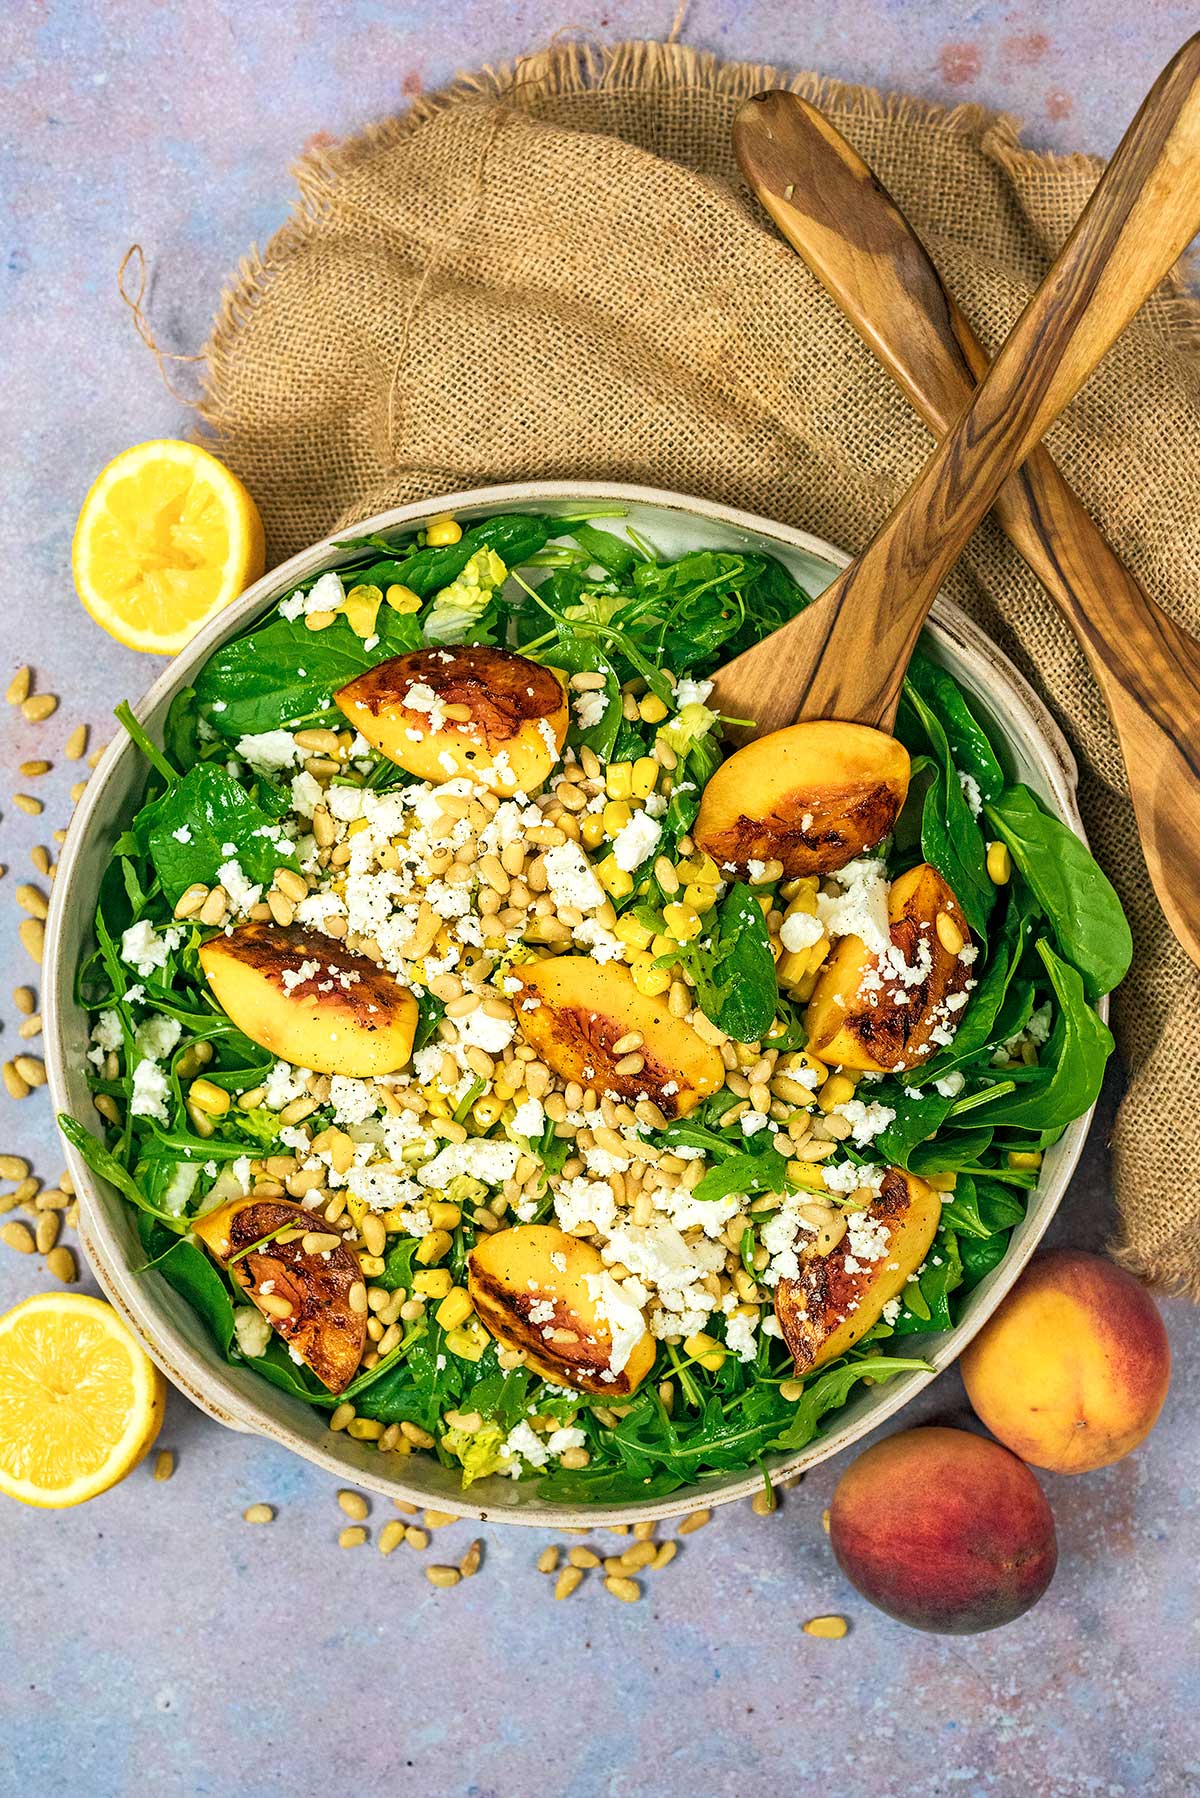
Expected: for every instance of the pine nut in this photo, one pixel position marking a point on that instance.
(274, 1304)
(292, 885)
(61, 1263)
(214, 908)
(38, 706)
(639, 1556)
(470, 1563)
(417, 1539)
(78, 791)
(13, 1083)
(390, 1536)
(319, 1242)
(76, 744)
(357, 1301)
(259, 1514)
(19, 1237)
(443, 1577)
(282, 910)
(46, 1233)
(354, 1505)
(25, 1000)
(420, 1439)
(831, 1629)
(25, 802)
(763, 1504)
(341, 1414)
(695, 1522)
(547, 1561)
(627, 1590)
(666, 1554)
(13, 1167)
(33, 770)
(18, 687)
(949, 935)
(583, 1557)
(164, 1465)
(191, 899)
(352, 1537)
(568, 1581)
(39, 855)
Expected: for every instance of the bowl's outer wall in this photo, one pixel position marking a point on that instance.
(166, 1324)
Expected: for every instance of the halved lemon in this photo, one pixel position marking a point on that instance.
(80, 1401)
(166, 538)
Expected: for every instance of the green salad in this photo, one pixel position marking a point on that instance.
(501, 1064)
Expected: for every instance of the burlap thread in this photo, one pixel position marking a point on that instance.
(555, 271)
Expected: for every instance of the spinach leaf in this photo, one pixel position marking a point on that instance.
(186, 832)
(191, 1273)
(1071, 888)
(1071, 1068)
(915, 1121)
(978, 1026)
(950, 836)
(972, 752)
(735, 978)
(284, 673)
(951, 1150)
(927, 1300)
(514, 537)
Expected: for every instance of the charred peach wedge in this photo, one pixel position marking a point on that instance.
(443, 713)
(813, 796)
(550, 1295)
(841, 1290)
(310, 1000)
(871, 1012)
(309, 1290)
(588, 1021)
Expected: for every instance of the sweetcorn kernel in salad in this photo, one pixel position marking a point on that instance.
(500, 1065)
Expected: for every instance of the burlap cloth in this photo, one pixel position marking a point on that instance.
(556, 272)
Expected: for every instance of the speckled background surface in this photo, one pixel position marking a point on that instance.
(151, 1642)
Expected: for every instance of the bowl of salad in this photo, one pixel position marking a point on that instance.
(486, 1081)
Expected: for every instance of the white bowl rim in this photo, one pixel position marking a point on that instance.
(200, 1380)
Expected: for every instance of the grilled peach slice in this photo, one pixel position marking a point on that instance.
(305, 1296)
(574, 1011)
(538, 1289)
(839, 1296)
(497, 718)
(813, 796)
(862, 1015)
(310, 1000)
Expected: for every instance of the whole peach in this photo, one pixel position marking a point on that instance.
(1072, 1369)
(944, 1531)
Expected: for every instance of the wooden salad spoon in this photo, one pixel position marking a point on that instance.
(845, 656)
(865, 253)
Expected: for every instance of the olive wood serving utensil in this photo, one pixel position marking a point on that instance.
(860, 246)
(845, 656)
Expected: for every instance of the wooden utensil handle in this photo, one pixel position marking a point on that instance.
(860, 246)
(1140, 218)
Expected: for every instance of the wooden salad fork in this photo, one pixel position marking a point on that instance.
(845, 656)
(858, 243)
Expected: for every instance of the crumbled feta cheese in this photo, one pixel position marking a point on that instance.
(590, 708)
(268, 751)
(106, 1031)
(860, 909)
(479, 1158)
(570, 878)
(581, 1201)
(636, 841)
(971, 793)
(866, 1121)
(252, 1331)
(284, 1083)
(243, 893)
(145, 950)
(150, 1091)
(353, 1101)
(156, 1036)
(800, 930)
(625, 1322)
(182, 835)
(480, 1030)
(529, 1119)
(950, 1085)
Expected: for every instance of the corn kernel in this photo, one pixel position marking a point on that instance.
(999, 864)
(615, 881)
(829, 1629)
(592, 831)
(700, 898)
(701, 868)
(455, 1308)
(645, 774)
(652, 710)
(466, 1344)
(633, 933)
(486, 1112)
(402, 599)
(648, 979)
(371, 1265)
(361, 606)
(618, 780)
(433, 1247)
(616, 816)
(706, 1350)
(433, 1283)
(442, 532)
(807, 1175)
(682, 921)
(212, 1100)
(836, 1091)
(941, 1182)
(443, 1215)
(1024, 1158)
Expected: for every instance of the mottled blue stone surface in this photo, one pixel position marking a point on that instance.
(151, 1642)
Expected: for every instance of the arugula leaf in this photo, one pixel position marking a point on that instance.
(1069, 885)
(735, 977)
(831, 1389)
(744, 1172)
(189, 1270)
(103, 1162)
(186, 831)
